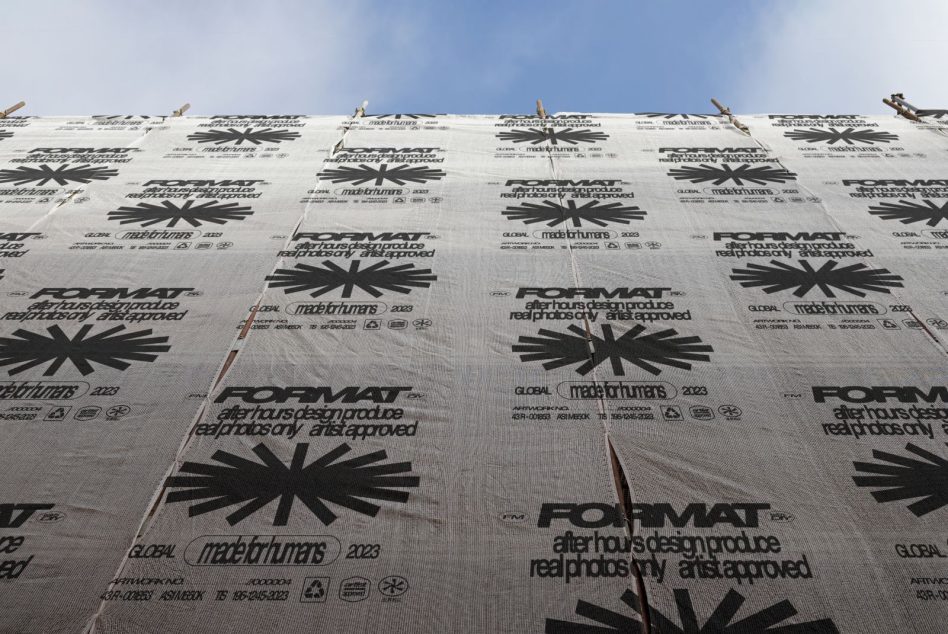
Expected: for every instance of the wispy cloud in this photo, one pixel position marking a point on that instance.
(141, 57)
(321, 56)
(843, 56)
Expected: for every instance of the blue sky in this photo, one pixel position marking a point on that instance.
(321, 57)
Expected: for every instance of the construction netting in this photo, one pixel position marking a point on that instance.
(438, 373)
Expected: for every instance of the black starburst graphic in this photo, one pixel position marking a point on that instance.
(400, 278)
(720, 174)
(127, 116)
(235, 136)
(401, 116)
(849, 136)
(853, 279)
(27, 349)
(62, 175)
(558, 349)
(5, 134)
(900, 478)
(766, 621)
(189, 212)
(535, 136)
(910, 211)
(253, 485)
(399, 175)
(594, 212)
(671, 115)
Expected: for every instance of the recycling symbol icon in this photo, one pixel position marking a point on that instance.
(671, 412)
(315, 589)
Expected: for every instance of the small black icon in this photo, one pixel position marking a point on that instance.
(393, 586)
(315, 590)
(116, 412)
(354, 589)
(730, 411)
(58, 413)
(671, 412)
(701, 412)
(87, 413)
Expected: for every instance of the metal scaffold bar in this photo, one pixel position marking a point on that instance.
(727, 113)
(897, 102)
(6, 113)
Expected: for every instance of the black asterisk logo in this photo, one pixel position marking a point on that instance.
(558, 349)
(594, 212)
(898, 477)
(189, 212)
(253, 485)
(720, 621)
(909, 211)
(400, 278)
(28, 349)
(853, 279)
(672, 115)
(849, 136)
(127, 117)
(535, 136)
(249, 135)
(62, 175)
(399, 175)
(720, 174)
